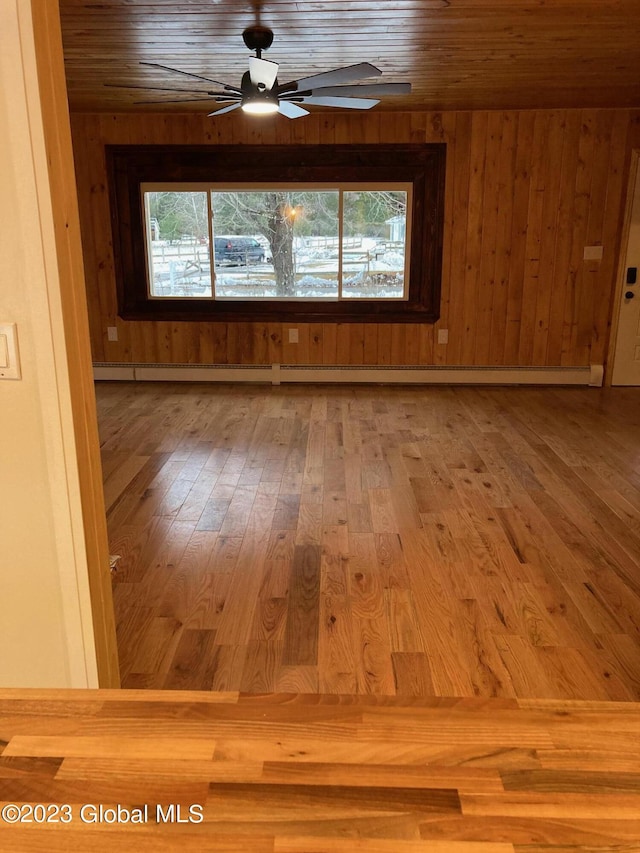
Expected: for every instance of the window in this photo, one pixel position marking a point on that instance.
(326, 233)
(279, 243)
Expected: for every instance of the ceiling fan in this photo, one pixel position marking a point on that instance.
(261, 93)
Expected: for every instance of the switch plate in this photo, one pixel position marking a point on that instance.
(293, 336)
(443, 336)
(112, 333)
(9, 352)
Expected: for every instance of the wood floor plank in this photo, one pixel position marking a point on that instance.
(336, 652)
(412, 673)
(191, 665)
(301, 632)
(441, 541)
(314, 773)
(385, 845)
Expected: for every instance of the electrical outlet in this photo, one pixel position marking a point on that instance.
(112, 333)
(592, 253)
(293, 336)
(443, 336)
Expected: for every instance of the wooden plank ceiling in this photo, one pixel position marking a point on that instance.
(458, 54)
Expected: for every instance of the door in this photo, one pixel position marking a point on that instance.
(626, 364)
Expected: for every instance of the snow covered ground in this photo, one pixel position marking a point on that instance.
(372, 269)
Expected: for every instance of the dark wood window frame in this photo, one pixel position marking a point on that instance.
(130, 166)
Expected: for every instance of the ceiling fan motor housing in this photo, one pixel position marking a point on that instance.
(258, 38)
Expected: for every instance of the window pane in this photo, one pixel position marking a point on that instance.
(275, 244)
(373, 244)
(178, 240)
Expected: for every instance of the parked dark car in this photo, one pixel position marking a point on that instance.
(238, 250)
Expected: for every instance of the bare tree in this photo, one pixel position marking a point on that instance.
(180, 214)
(272, 214)
(280, 235)
(368, 211)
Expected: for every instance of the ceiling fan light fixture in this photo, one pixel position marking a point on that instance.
(259, 105)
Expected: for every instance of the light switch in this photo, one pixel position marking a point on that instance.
(4, 352)
(9, 357)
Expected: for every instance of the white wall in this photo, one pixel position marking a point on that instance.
(46, 635)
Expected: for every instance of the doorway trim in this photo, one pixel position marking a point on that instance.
(58, 199)
(634, 174)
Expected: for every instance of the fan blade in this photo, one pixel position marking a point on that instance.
(157, 89)
(176, 101)
(189, 74)
(263, 71)
(224, 110)
(348, 74)
(347, 103)
(291, 110)
(366, 90)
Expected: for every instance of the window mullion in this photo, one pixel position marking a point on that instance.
(340, 236)
(212, 270)
(147, 220)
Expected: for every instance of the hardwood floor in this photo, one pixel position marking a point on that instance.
(428, 542)
(318, 774)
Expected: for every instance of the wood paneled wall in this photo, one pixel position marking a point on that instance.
(526, 191)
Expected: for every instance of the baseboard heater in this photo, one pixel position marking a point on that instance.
(277, 374)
